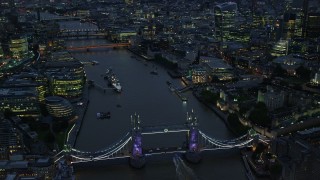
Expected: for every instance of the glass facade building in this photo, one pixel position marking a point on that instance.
(225, 17)
(19, 47)
(59, 107)
(22, 101)
(66, 78)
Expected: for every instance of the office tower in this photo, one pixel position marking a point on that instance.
(225, 15)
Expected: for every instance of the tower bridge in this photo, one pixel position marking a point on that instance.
(130, 146)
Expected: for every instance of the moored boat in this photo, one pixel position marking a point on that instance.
(117, 86)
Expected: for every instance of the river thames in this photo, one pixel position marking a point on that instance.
(149, 96)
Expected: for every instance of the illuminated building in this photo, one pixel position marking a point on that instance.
(313, 25)
(128, 1)
(289, 63)
(217, 68)
(66, 78)
(83, 13)
(124, 36)
(11, 140)
(280, 48)
(2, 60)
(66, 85)
(59, 107)
(1, 52)
(316, 79)
(3, 19)
(240, 35)
(22, 101)
(27, 169)
(42, 167)
(18, 53)
(19, 47)
(225, 15)
(288, 28)
(29, 80)
(298, 46)
(199, 75)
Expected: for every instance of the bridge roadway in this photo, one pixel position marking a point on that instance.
(164, 129)
(64, 33)
(98, 35)
(163, 150)
(99, 46)
(61, 18)
(81, 30)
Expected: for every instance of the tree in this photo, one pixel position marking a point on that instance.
(259, 115)
(243, 109)
(215, 79)
(59, 126)
(279, 71)
(209, 97)
(8, 113)
(259, 149)
(235, 124)
(275, 170)
(303, 73)
(49, 138)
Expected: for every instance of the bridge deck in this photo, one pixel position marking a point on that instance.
(164, 150)
(164, 129)
(99, 46)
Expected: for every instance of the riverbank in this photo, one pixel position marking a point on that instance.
(136, 52)
(80, 111)
(220, 114)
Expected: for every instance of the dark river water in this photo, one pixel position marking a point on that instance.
(149, 96)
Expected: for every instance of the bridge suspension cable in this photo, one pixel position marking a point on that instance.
(226, 144)
(102, 154)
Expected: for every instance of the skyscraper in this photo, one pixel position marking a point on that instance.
(225, 15)
(305, 17)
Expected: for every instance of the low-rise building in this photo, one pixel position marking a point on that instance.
(21, 101)
(11, 140)
(299, 158)
(272, 99)
(217, 68)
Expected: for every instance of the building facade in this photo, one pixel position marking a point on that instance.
(21, 101)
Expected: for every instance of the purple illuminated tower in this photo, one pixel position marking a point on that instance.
(137, 158)
(193, 153)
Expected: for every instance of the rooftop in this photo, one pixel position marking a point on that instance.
(215, 63)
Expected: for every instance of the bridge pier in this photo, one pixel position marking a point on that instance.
(193, 153)
(137, 158)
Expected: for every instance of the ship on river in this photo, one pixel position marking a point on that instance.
(113, 81)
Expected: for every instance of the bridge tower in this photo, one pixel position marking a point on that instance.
(193, 152)
(67, 151)
(137, 158)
